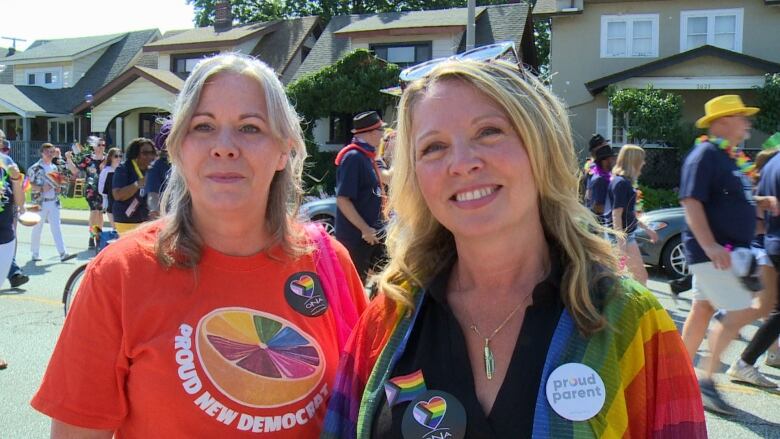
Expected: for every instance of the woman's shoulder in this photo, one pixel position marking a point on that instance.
(631, 300)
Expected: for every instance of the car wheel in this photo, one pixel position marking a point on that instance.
(327, 223)
(673, 258)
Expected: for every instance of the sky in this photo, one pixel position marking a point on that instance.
(49, 19)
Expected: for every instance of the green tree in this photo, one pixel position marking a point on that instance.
(653, 115)
(349, 86)
(768, 119)
(542, 42)
(250, 11)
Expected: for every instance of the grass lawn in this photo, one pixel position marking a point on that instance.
(79, 203)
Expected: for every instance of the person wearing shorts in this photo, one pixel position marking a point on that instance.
(720, 212)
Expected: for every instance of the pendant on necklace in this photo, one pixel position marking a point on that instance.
(490, 364)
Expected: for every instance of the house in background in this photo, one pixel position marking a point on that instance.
(408, 38)
(138, 99)
(41, 86)
(697, 49)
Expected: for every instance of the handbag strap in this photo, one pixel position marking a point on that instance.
(334, 283)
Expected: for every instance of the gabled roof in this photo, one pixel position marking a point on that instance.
(111, 64)
(165, 79)
(387, 22)
(12, 97)
(208, 38)
(62, 49)
(277, 48)
(495, 23)
(596, 86)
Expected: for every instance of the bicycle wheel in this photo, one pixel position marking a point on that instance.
(72, 287)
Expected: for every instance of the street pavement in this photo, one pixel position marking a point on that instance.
(31, 319)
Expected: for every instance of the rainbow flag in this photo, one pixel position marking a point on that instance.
(26, 185)
(404, 388)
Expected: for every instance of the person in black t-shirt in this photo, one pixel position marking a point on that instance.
(620, 210)
(598, 183)
(130, 209)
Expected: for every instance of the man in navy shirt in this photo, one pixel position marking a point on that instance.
(720, 211)
(359, 194)
(743, 369)
(598, 183)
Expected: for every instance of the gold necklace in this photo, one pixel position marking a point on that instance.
(487, 353)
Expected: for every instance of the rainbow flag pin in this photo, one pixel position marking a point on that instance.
(404, 388)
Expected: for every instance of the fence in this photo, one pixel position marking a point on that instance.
(25, 153)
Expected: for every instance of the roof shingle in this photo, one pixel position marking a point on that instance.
(64, 47)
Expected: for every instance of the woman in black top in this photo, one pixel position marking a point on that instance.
(622, 206)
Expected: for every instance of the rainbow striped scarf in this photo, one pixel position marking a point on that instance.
(651, 389)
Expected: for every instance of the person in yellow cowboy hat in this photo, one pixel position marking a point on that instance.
(720, 209)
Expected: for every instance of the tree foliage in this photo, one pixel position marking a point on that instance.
(542, 42)
(768, 119)
(653, 115)
(251, 11)
(350, 85)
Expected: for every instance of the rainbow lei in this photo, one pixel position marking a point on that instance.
(743, 162)
(593, 169)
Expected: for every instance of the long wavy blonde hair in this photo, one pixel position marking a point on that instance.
(178, 242)
(419, 246)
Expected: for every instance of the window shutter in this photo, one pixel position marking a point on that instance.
(602, 122)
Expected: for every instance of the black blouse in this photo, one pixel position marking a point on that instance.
(437, 347)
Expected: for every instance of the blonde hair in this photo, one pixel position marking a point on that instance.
(629, 162)
(178, 242)
(419, 246)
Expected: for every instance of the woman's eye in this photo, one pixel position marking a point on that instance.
(201, 127)
(433, 147)
(489, 131)
(250, 129)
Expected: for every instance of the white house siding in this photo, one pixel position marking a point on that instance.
(442, 45)
(139, 94)
(20, 72)
(82, 65)
(164, 61)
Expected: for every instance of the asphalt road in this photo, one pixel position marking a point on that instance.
(31, 319)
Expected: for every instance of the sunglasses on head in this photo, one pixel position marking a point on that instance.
(504, 51)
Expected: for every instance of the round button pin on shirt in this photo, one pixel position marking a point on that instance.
(575, 391)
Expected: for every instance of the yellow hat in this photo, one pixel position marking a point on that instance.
(722, 106)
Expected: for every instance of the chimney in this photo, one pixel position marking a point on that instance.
(223, 19)
(11, 51)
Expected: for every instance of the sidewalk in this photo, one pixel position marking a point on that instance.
(76, 217)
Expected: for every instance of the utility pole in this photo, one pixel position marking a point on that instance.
(470, 16)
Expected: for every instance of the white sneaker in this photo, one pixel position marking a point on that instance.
(773, 358)
(743, 372)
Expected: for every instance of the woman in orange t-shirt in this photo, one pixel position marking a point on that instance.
(225, 318)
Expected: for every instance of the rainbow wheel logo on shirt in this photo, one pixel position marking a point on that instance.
(258, 359)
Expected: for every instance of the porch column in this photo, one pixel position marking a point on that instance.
(120, 132)
(26, 136)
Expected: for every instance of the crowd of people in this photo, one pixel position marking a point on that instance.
(731, 211)
(501, 306)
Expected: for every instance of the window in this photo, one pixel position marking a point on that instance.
(629, 36)
(49, 78)
(613, 127)
(149, 124)
(182, 65)
(403, 54)
(716, 27)
(339, 131)
(61, 131)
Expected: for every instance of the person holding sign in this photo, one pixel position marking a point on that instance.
(501, 314)
(130, 209)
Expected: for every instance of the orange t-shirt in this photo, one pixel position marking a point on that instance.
(227, 350)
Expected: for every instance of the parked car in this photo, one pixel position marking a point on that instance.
(667, 252)
(322, 211)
